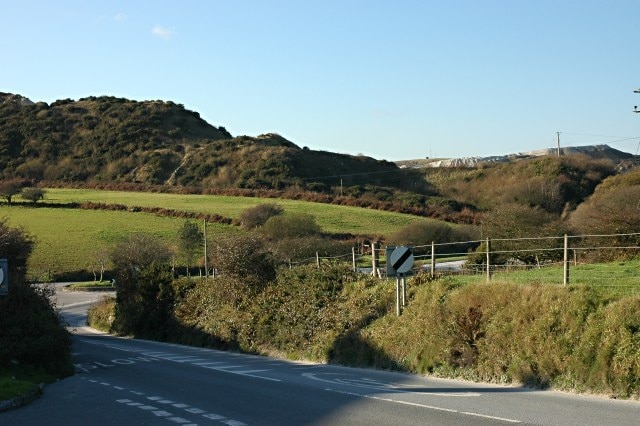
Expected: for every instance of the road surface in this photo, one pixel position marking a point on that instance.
(136, 382)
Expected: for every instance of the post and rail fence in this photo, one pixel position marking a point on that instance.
(565, 259)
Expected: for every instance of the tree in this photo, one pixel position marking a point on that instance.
(99, 261)
(190, 241)
(10, 188)
(138, 251)
(423, 232)
(528, 235)
(32, 194)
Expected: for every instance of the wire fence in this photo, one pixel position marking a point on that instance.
(607, 261)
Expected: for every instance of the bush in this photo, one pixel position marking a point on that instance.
(291, 226)
(32, 333)
(33, 194)
(307, 310)
(608, 354)
(257, 216)
(246, 258)
(215, 313)
(144, 296)
(102, 314)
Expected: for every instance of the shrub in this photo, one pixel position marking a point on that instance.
(257, 216)
(607, 355)
(144, 296)
(307, 310)
(215, 313)
(102, 314)
(33, 194)
(244, 257)
(32, 331)
(291, 226)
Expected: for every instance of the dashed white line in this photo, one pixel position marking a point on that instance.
(172, 417)
(214, 416)
(181, 405)
(179, 420)
(148, 407)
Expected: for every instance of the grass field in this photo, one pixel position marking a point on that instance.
(331, 218)
(73, 239)
(619, 278)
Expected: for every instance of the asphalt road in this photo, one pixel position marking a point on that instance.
(137, 382)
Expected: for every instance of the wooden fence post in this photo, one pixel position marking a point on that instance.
(433, 259)
(488, 259)
(353, 259)
(374, 258)
(565, 269)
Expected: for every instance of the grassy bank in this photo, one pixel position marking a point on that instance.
(571, 338)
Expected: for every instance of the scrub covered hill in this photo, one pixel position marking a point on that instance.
(114, 140)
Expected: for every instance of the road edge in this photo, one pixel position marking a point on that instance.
(21, 401)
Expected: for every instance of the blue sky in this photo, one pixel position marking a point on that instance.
(394, 80)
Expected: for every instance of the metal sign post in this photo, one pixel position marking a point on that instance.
(4, 277)
(399, 262)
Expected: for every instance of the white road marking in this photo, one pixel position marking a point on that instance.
(373, 384)
(202, 364)
(148, 407)
(180, 405)
(179, 420)
(490, 417)
(224, 367)
(430, 407)
(214, 416)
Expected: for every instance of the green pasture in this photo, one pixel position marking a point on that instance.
(331, 218)
(614, 278)
(75, 239)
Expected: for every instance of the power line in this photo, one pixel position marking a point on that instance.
(355, 174)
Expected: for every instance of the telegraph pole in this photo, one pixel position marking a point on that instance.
(558, 134)
(206, 266)
(635, 108)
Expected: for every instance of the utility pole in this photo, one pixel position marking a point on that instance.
(558, 134)
(206, 266)
(635, 108)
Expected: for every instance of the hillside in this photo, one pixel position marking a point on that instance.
(114, 142)
(108, 139)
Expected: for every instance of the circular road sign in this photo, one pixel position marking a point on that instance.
(401, 259)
